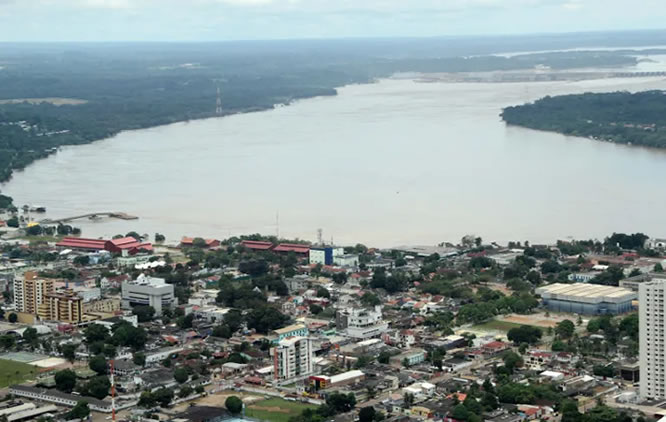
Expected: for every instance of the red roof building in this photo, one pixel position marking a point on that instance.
(128, 244)
(189, 241)
(257, 245)
(82, 244)
(292, 247)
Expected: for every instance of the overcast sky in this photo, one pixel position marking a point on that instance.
(194, 20)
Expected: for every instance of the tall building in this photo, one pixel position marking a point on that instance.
(30, 292)
(292, 359)
(361, 323)
(62, 307)
(149, 291)
(651, 341)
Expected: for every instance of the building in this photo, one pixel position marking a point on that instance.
(189, 242)
(347, 261)
(321, 382)
(295, 248)
(82, 244)
(149, 291)
(583, 277)
(651, 339)
(103, 306)
(256, 245)
(63, 307)
(127, 246)
(30, 292)
(590, 299)
(59, 398)
(410, 357)
(325, 255)
(361, 323)
(292, 359)
(632, 283)
(296, 330)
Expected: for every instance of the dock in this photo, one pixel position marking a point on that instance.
(111, 214)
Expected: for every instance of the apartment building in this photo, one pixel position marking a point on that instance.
(30, 292)
(292, 359)
(62, 307)
(651, 342)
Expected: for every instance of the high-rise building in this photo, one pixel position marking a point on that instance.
(62, 307)
(292, 359)
(651, 339)
(149, 291)
(30, 292)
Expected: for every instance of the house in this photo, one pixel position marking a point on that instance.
(495, 348)
(455, 364)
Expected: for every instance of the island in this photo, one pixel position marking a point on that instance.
(620, 117)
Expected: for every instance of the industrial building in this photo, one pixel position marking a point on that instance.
(589, 299)
(149, 291)
(322, 382)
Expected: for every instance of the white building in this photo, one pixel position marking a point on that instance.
(292, 359)
(651, 339)
(361, 323)
(325, 255)
(88, 294)
(150, 291)
(347, 260)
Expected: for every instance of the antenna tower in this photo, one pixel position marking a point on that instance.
(320, 237)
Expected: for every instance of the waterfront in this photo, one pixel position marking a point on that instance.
(390, 163)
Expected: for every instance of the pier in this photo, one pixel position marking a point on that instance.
(119, 215)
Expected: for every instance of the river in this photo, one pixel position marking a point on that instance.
(396, 162)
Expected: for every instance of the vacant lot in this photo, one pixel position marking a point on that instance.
(12, 372)
(276, 410)
(496, 325)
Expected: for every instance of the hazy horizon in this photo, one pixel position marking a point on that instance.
(264, 20)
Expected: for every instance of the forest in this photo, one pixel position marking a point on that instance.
(124, 86)
(621, 117)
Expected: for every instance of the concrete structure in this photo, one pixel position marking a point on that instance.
(88, 294)
(296, 330)
(30, 292)
(633, 283)
(590, 299)
(583, 277)
(58, 397)
(150, 291)
(105, 305)
(361, 323)
(325, 255)
(651, 341)
(292, 359)
(347, 261)
(62, 307)
(411, 357)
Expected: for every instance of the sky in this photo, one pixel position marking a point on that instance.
(216, 20)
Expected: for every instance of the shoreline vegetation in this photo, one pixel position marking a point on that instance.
(120, 87)
(618, 117)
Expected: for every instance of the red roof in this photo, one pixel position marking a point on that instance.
(291, 247)
(190, 240)
(82, 243)
(495, 345)
(257, 245)
(127, 243)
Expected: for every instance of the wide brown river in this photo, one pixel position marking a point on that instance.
(397, 162)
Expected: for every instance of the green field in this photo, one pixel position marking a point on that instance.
(15, 372)
(496, 325)
(276, 410)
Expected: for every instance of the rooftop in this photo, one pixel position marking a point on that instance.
(585, 292)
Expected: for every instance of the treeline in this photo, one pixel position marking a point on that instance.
(619, 117)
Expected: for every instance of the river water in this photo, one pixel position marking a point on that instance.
(396, 162)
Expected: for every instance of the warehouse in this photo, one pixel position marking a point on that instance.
(590, 299)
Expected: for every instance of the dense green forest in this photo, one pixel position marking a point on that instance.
(130, 86)
(622, 117)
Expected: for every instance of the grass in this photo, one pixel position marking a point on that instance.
(266, 410)
(12, 372)
(497, 325)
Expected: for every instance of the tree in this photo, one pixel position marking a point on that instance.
(98, 364)
(222, 331)
(384, 357)
(658, 268)
(323, 292)
(370, 299)
(565, 329)
(185, 391)
(341, 403)
(79, 411)
(199, 389)
(524, 334)
(13, 222)
(316, 309)
(12, 318)
(185, 321)
(98, 387)
(181, 375)
(367, 414)
(164, 396)
(30, 335)
(253, 268)
(512, 360)
(265, 318)
(233, 405)
(159, 238)
(144, 313)
(147, 400)
(65, 380)
(96, 332)
(69, 352)
(139, 359)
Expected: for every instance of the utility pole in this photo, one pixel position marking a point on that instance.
(218, 103)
